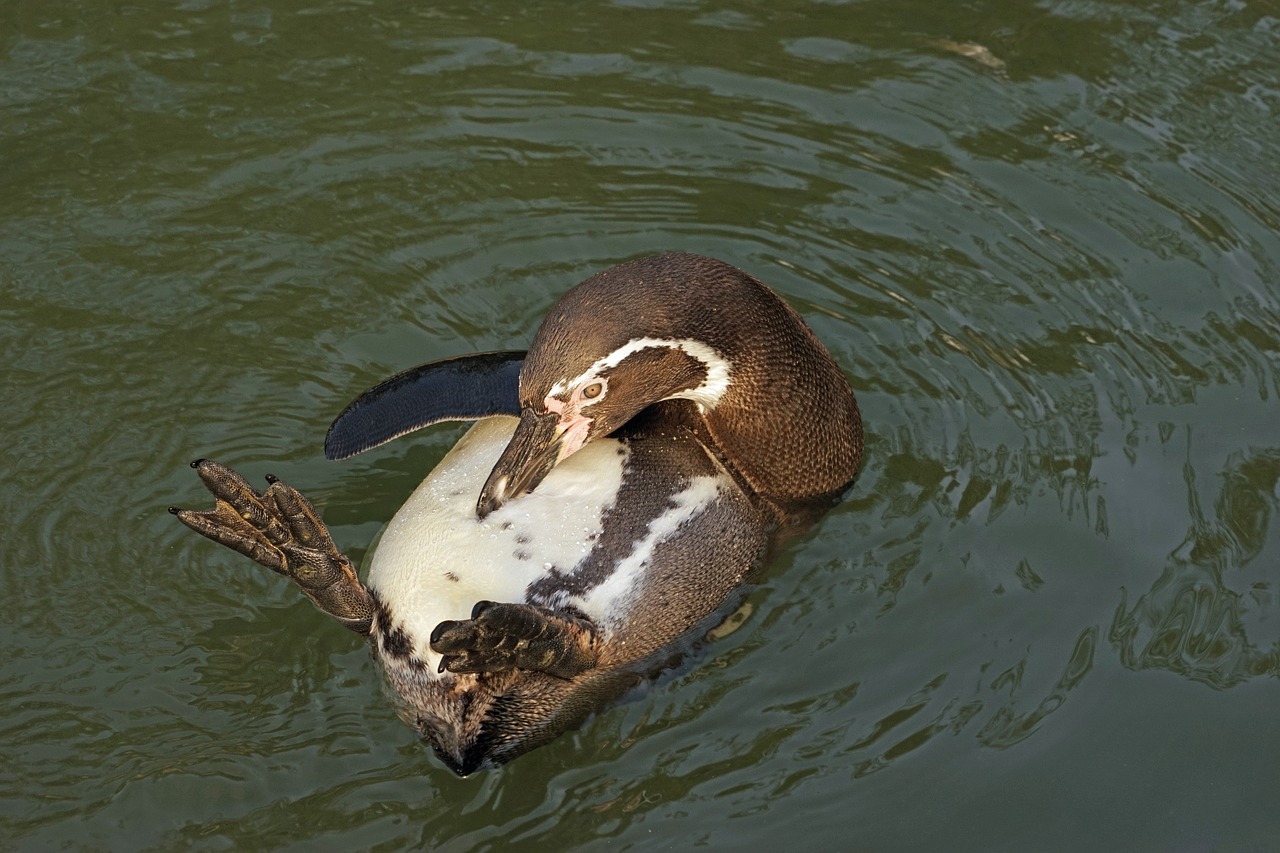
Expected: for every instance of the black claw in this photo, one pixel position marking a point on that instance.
(196, 463)
(440, 668)
(438, 631)
(481, 606)
(272, 479)
(173, 510)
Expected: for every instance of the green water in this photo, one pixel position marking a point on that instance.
(1043, 239)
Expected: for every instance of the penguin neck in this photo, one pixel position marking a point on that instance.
(788, 422)
(792, 441)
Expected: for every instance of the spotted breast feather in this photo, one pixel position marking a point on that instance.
(622, 479)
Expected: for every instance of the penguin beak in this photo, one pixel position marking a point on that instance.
(539, 443)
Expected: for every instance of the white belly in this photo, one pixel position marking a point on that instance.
(436, 559)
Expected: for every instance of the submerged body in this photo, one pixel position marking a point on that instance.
(610, 537)
(626, 474)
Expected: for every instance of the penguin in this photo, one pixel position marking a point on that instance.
(671, 419)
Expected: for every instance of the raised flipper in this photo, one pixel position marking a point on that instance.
(500, 637)
(281, 530)
(465, 388)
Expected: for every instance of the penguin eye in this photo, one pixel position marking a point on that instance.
(595, 389)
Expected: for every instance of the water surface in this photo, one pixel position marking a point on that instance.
(1041, 239)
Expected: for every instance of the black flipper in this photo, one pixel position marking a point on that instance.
(465, 388)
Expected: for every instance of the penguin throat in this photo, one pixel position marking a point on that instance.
(572, 430)
(573, 437)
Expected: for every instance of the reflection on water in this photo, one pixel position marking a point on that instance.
(1007, 727)
(1196, 618)
(972, 485)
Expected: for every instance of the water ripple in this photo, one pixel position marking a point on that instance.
(1037, 238)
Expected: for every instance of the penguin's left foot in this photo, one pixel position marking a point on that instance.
(279, 529)
(500, 637)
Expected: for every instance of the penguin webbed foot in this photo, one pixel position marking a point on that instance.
(280, 529)
(501, 637)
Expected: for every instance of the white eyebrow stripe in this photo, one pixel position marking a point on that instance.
(705, 395)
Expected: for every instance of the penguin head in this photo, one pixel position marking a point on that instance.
(611, 347)
(684, 327)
